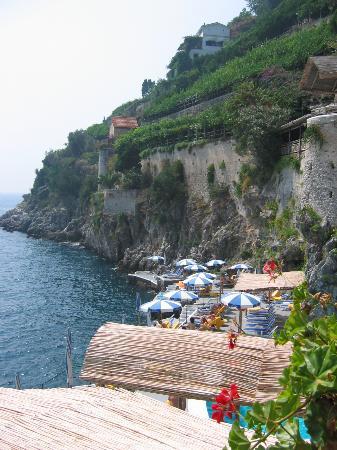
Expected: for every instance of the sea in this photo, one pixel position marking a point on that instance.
(46, 289)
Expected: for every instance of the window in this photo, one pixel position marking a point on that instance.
(214, 44)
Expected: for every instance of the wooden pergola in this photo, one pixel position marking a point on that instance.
(184, 363)
(100, 418)
(262, 282)
(320, 75)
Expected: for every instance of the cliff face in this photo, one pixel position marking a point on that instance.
(292, 215)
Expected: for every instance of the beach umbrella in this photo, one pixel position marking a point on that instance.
(195, 268)
(215, 263)
(240, 300)
(185, 262)
(208, 275)
(198, 281)
(160, 306)
(241, 267)
(181, 296)
(156, 259)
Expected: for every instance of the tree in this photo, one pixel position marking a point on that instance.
(260, 7)
(147, 86)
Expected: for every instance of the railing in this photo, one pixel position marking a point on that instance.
(188, 103)
(196, 136)
(293, 148)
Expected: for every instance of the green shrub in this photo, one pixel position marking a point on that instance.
(222, 165)
(288, 161)
(168, 193)
(289, 52)
(314, 134)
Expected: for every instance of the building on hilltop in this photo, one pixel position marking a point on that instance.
(213, 37)
(120, 125)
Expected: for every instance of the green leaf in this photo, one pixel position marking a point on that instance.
(319, 371)
(237, 438)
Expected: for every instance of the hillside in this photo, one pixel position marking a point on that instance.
(213, 182)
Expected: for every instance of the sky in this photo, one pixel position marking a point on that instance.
(66, 64)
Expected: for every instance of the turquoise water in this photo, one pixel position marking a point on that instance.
(46, 288)
(243, 411)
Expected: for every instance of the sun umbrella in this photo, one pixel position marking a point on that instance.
(185, 262)
(198, 281)
(195, 268)
(181, 296)
(208, 275)
(157, 259)
(215, 263)
(241, 267)
(160, 306)
(240, 301)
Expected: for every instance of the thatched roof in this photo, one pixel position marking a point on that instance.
(320, 75)
(262, 282)
(100, 418)
(192, 364)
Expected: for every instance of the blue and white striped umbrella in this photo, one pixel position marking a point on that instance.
(181, 295)
(215, 263)
(157, 259)
(160, 306)
(240, 300)
(198, 281)
(185, 262)
(195, 268)
(208, 275)
(241, 267)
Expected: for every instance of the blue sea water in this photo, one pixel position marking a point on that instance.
(46, 288)
(243, 411)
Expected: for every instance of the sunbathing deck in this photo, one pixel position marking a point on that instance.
(145, 277)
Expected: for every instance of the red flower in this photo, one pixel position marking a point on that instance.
(273, 269)
(232, 338)
(225, 406)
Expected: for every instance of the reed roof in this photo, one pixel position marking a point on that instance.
(188, 363)
(320, 75)
(99, 418)
(262, 281)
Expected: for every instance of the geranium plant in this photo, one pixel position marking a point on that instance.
(309, 384)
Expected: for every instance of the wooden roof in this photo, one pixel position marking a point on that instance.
(262, 282)
(124, 122)
(99, 418)
(188, 363)
(320, 75)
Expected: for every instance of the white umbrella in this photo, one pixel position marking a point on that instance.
(160, 306)
(181, 295)
(185, 262)
(208, 275)
(157, 259)
(198, 281)
(240, 300)
(215, 263)
(241, 267)
(195, 268)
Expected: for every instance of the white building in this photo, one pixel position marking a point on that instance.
(213, 37)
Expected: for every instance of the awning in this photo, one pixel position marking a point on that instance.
(191, 364)
(262, 281)
(100, 418)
